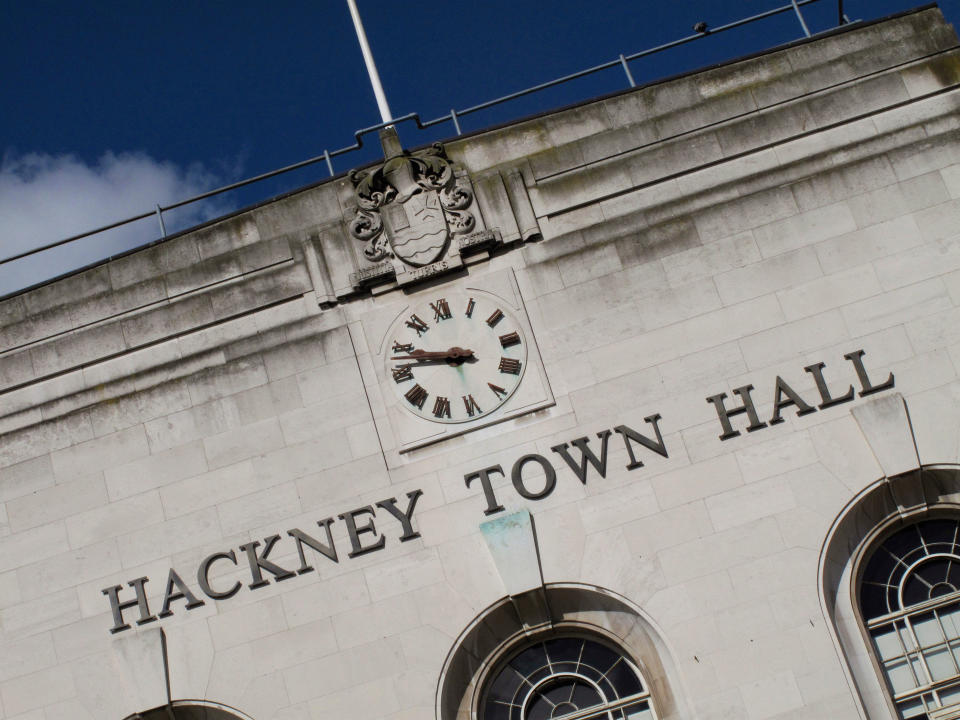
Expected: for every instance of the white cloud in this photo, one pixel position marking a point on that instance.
(44, 198)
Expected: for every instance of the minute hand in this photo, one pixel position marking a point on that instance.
(451, 354)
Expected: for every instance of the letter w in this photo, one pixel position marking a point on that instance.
(586, 455)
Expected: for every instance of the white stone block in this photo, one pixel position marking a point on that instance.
(336, 378)
(94, 455)
(304, 605)
(926, 261)
(56, 503)
(41, 614)
(868, 244)
(212, 488)
(170, 537)
(401, 575)
(936, 424)
(886, 427)
(259, 508)
(26, 477)
(290, 648)
(776, 694)
(114, 519)
(26, 656)
(796, 339)
(30, 692)
(376, 621)
(826, 293)
(189, 657)
(156, 470)
(804, 229)
(232, 627)
(32, 545)
(706, 555)
(750, 502)
(68, 569)
(728, 253)
(935, 331)
(345, 669)
(242, 443)
(842, 448)
(769, 275)
(138, 669)
(512, 543)
(899, 199)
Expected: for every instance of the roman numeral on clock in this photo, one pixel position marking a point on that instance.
(402, 347)
(471, 405)
(441, 407)
(509, 339)
(497, 390)
(415, 323)
(441, 310)
(510, 366)
(402, 373)
(416, 396)
(495, 317)
(470, 306)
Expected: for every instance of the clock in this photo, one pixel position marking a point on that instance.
(450, 360)
(455, 357)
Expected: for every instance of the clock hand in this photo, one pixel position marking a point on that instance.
(454, 353)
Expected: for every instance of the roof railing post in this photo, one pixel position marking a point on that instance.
(456, 123)
(626, 69)
(326, 156)
(803, 24)
(163, 229)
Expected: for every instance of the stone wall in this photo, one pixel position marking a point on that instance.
(666, 245)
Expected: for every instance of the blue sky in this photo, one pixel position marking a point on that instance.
(110, 107)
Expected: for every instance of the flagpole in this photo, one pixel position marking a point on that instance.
(371, 67)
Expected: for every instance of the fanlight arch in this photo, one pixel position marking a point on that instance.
(890, 588)
(563, 676)
(910, 604)
(617, 639)
(191, 710)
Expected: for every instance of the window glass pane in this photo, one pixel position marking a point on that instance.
(950, 619)
(598, 658)
(530, 660)
(939, 535)
(940, 662)
(950, 695)
(640, 711)
(504, 686)
(562, 649)
(927, 629)
(887, 644)
(901, 679)
(912, 708)
(625, 682)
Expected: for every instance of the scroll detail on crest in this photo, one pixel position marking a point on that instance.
(410, 207)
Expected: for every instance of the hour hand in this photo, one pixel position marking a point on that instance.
(454, 353)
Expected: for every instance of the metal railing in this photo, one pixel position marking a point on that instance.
(701, 30)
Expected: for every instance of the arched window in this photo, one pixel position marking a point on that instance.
(910, 604)
(570, 677)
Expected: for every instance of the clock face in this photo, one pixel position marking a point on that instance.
(455, 358)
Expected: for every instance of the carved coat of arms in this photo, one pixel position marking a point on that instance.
(410, 207)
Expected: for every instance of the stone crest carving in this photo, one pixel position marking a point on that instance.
(411, 207)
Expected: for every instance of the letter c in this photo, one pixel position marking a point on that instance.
(203, 573)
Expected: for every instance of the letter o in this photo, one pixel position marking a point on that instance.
(517, 477)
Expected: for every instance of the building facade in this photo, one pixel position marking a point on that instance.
(645, 408)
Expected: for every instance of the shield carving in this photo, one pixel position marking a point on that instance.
(410, 208)
(417, 227)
